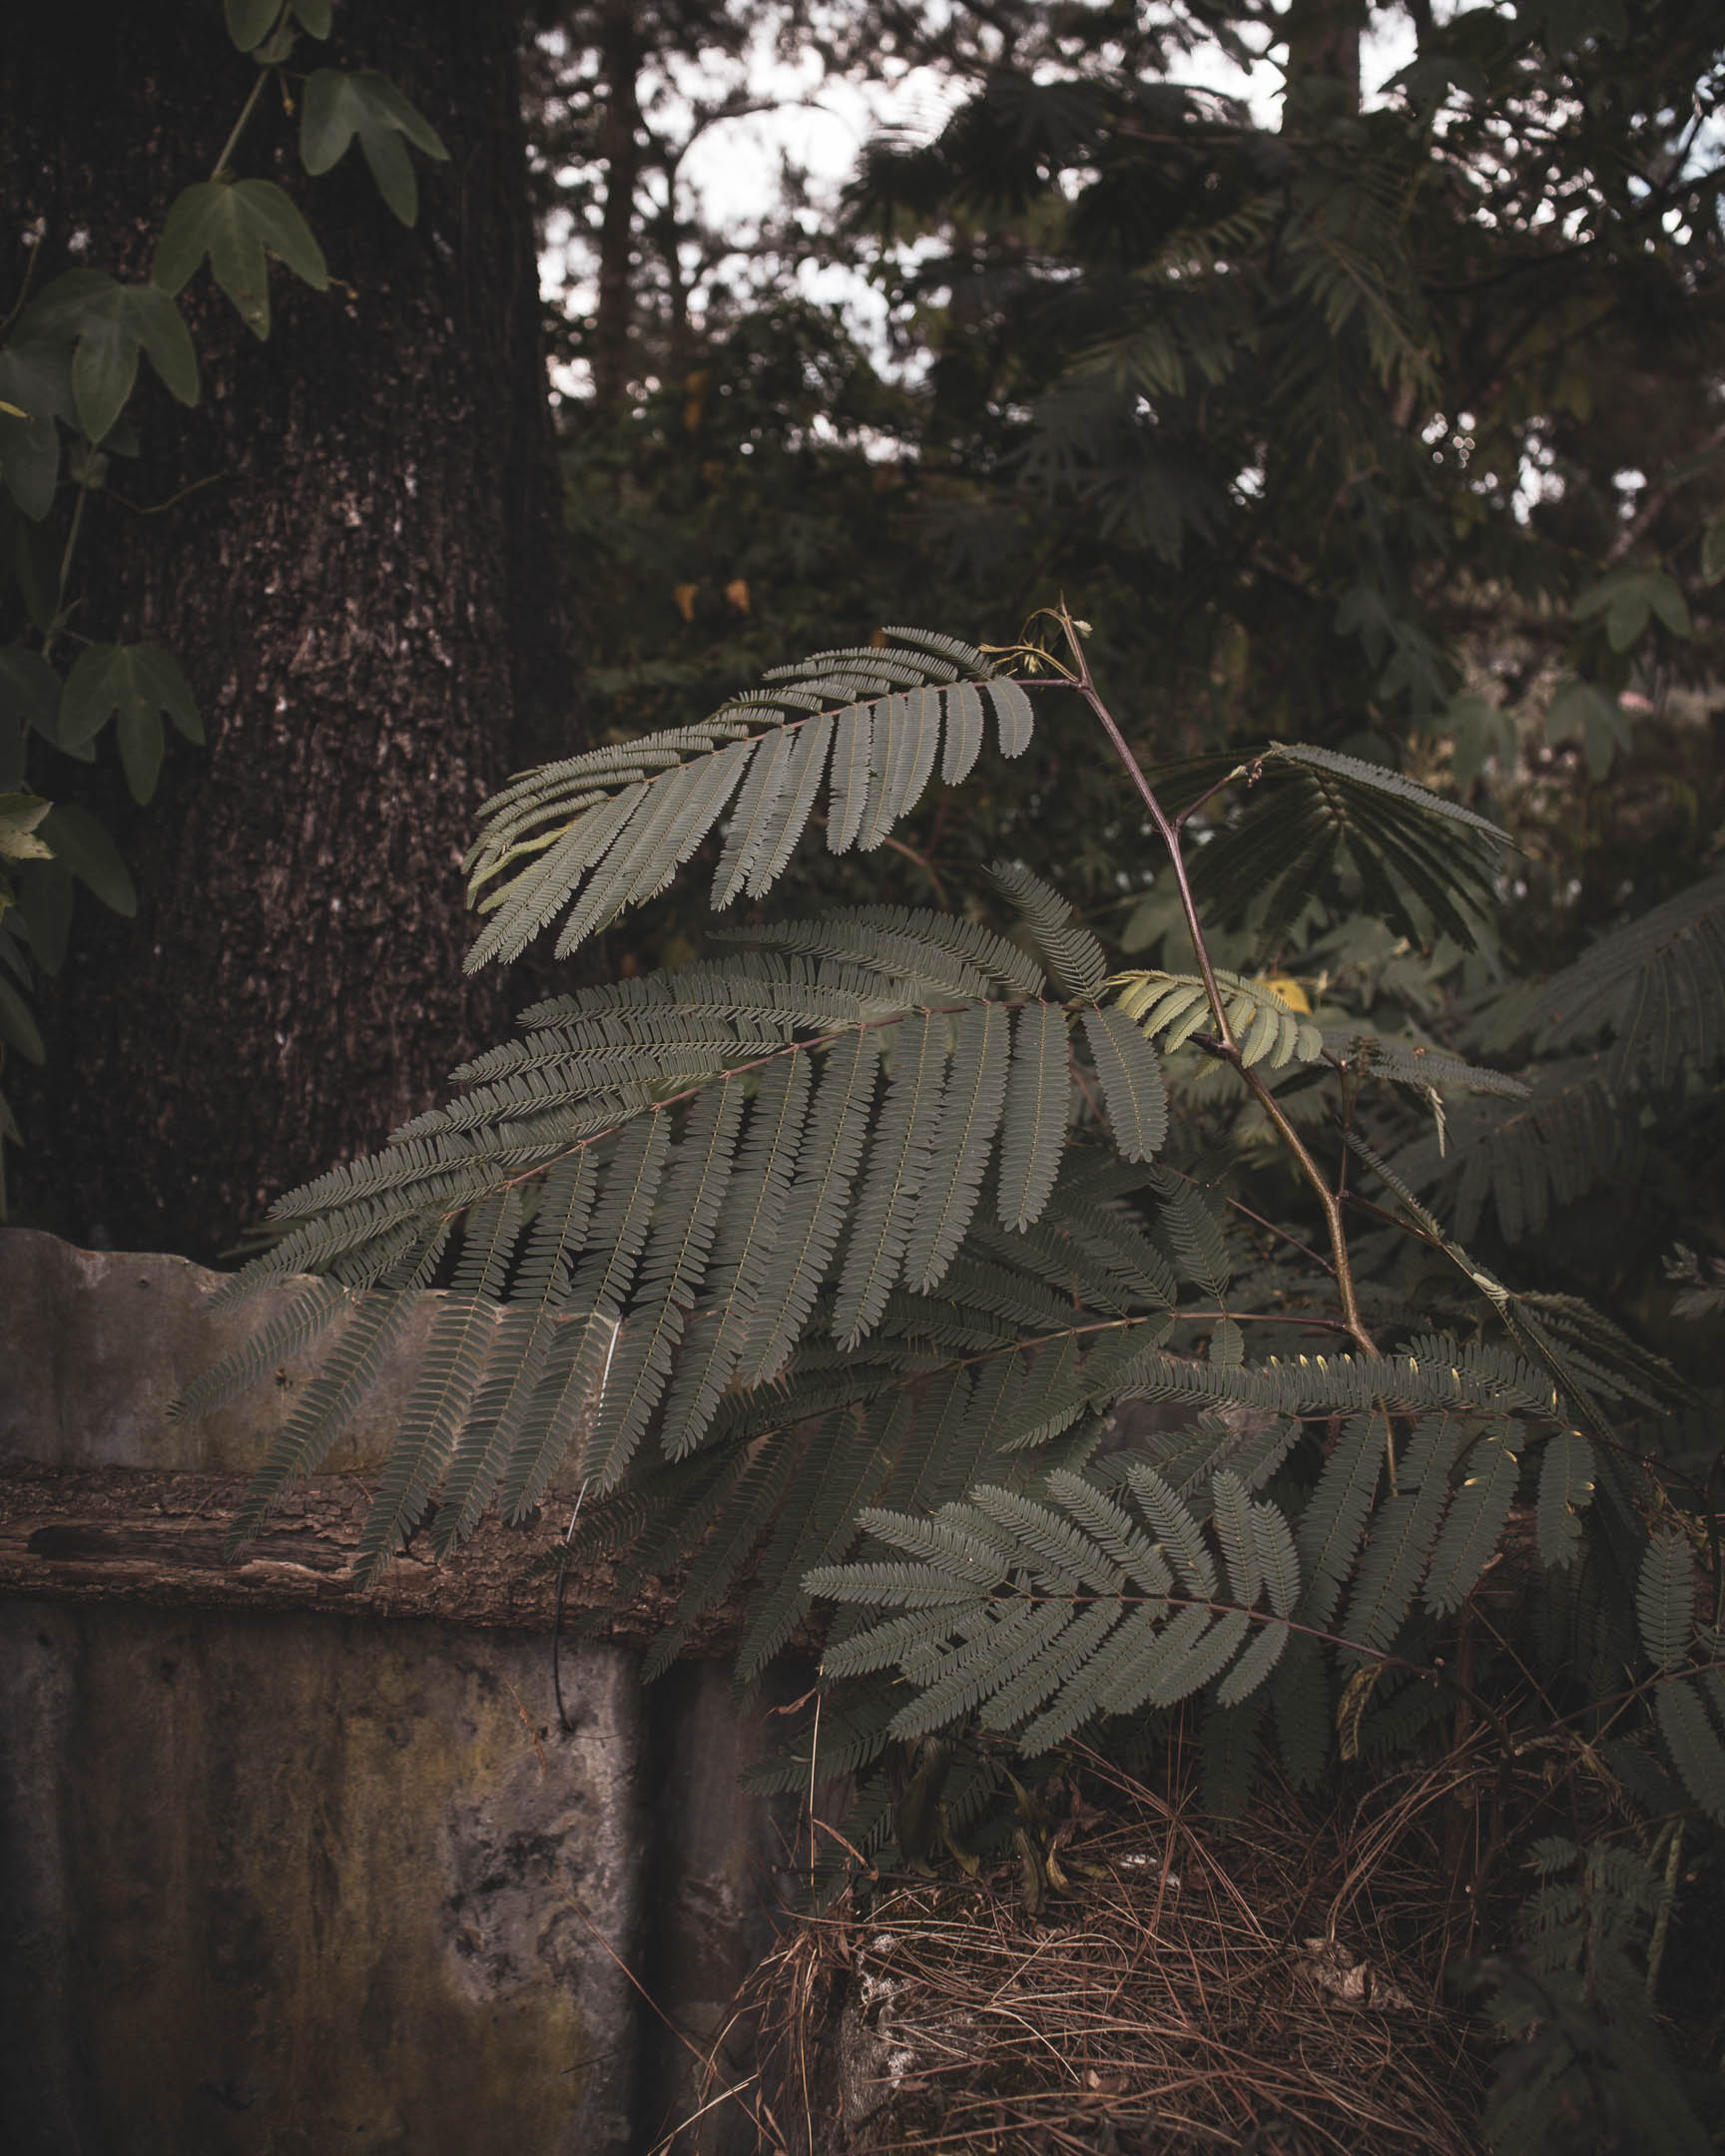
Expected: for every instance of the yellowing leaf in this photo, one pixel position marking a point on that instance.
(737, 595)
(1286, 991)
(684, 594)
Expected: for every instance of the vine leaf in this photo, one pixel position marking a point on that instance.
(134, 685)
(108, 325)
(337, 107)
(237, 224)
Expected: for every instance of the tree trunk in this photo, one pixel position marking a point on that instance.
(1323, 60)
(365, 590)
(620, 139)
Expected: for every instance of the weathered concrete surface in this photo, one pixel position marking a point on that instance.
(275, 1881)
(95, 1344)
(295, 1885)
(104, 1496)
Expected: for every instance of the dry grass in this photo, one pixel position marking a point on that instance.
(1274, 1990)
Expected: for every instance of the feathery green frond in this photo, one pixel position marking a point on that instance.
(1053, 1621)
(891, 1179)
(592, 835)
(1194, 1233)
(971, 1110)
(744, 1255)
(1565, 1491)
(817, 1203)
(1693, 1743)
(673, 1269)
(1657, 989)
(1072, 953)
(1038, 1099)
(1473, 1525)
(1402, 1535)
(918, 949)
(451, 1368)
(1132, 1086)
(1665, 1599)
(1426, 863)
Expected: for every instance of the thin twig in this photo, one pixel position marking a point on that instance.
(1292, 1141)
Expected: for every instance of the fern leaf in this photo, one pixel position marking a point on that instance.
(636, 862)
(950, 651)
(1423, 859)
(1665, 1599)
(971, 1110)
(537, 897)
(1334, 1521)
(935, 1465)
(1132, 1083)
(579, 1356)
(329, 1404)
(1402, 1535)
(743, 1255)
(1012, 715)
(1072, 954)
(1178, 1533)
(1174, 1678)
(749, 1503)
(1035, 1667)
(893, 1179)
(671, 1276)
(1085, 1693)
(753, 826)
(819, 1524)
(966, 1677)
(1565, 1490)
(796, 802)
(897, 726)
(1474, 1522)
(1195, 1233)
(1234, 1531)
(1039, 1093)
(1254, 1666)
(1062, 1557)
(921, 949)
(964, 732)
(1693, 1744)
(310, 1308)
(450, 1369)
(852, 748)
(817, 1203)
(1137, 1560)
(1115, 1242)
(965, 1558)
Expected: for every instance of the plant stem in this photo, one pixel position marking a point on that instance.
(1289, 1137)
(238, 128)
(67, 552)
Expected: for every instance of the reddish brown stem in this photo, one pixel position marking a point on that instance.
(1292, 1141)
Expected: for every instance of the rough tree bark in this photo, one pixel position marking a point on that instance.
(1323, 59)
(365, 589)
(620, 140)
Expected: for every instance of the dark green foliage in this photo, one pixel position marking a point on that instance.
(830, 1263)
(1577, 1992)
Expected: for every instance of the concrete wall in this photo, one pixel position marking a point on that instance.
(275, 1880)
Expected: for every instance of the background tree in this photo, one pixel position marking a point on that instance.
(350, 545)
(1392, 428)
